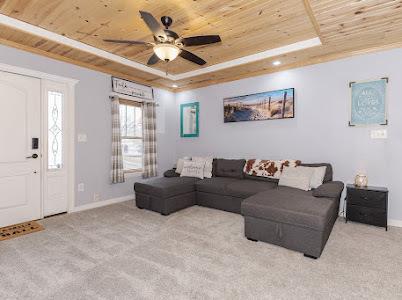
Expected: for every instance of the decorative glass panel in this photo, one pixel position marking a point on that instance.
(55, 130)
(132, 153)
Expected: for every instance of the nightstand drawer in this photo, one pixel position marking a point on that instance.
(364, 198)
(372, 216)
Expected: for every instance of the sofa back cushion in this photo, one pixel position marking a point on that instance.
(328, 172)
(229, 168)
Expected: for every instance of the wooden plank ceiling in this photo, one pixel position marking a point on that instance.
(345, 28)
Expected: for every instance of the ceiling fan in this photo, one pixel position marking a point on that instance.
(168, 44)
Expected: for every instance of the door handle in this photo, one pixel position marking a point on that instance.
(34, 156)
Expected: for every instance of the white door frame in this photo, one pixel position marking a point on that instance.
(70, 97)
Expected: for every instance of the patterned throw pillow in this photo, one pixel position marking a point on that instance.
(193, 169)
(208, 164)
(268, 168)
(180, 164)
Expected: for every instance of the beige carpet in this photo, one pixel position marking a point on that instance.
(120, 252)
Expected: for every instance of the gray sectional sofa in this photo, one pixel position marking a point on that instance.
(280, 215)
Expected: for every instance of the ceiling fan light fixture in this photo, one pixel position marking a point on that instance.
(166, 52)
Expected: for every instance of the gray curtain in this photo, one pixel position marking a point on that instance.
(117, 172)
(149, 139)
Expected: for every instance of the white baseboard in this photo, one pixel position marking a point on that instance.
(396, 223)
(102, 203)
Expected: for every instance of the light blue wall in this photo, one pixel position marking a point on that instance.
(93, 117)
(319, 131)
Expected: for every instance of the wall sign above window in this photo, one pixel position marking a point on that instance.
(132, 89)
(368, 105)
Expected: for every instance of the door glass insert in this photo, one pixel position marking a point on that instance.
(55, 130)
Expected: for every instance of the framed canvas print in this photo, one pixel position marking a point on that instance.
(368, 106)
(189, 115)
(262, 106)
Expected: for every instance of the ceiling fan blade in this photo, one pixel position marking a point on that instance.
(153, 59)
(201, 40)
(153, 25)
(192, 57)
(128, 42)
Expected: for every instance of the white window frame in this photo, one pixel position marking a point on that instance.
(134, 104)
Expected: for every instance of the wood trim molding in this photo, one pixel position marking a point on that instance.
(313, 61)
(252, 58)
(77, 63)
(313, 20)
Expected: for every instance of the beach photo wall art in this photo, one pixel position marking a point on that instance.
(261, 106)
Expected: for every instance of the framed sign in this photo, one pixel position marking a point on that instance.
(368, 106)
(131, 88)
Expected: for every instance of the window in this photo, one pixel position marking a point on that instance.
(131, 135)
(55, 130)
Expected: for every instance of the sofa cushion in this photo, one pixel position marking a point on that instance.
(290, 206)
(328, 171)
(229, 167)
(332, 189)
(215, 185)
(246, 188)
(266, 179)
(166, 187)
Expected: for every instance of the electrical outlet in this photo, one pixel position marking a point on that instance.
(378, 134)
(81, 187)
(96, 197)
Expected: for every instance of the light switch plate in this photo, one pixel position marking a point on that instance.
(81, 187)
(82, 138)
(378, 134)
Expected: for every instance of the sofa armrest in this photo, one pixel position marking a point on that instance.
(331, 189)
(171, 173)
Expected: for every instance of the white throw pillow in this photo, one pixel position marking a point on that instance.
(208, 165)
(298, 177)
(318, 176)
(179, 164)
(193, 169)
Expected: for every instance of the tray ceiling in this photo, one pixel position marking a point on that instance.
(345, 28)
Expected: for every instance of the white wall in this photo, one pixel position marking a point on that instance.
(93, 117)
(319, 132)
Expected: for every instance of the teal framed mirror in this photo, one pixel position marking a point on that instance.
(189, 119)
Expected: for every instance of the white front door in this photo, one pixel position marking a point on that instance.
(20, 162)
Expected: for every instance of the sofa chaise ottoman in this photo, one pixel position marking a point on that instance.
(165, 195)
(292, 218)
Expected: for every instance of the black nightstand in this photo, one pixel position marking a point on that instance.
(367, 205)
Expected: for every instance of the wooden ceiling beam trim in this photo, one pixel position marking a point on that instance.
(313, 20)
(78, 63)
(305, 62)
